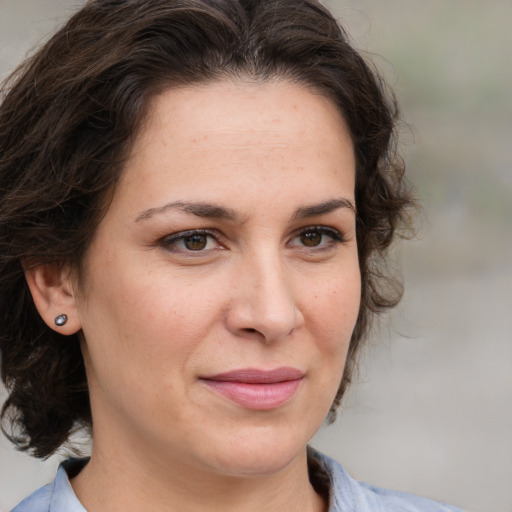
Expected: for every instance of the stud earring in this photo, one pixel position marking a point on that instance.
(61, 320)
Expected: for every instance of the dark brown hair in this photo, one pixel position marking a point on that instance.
(69, 116)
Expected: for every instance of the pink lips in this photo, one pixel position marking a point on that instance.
(257, 389)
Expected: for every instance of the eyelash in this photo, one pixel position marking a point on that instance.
(169, 242)
(334, 234)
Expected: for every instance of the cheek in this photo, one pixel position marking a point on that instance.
(145, 318)
(334, 312)
(331, 322)
(138, 341)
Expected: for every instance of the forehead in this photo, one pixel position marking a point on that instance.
(207, 135)
(276, 110)
(239, 96)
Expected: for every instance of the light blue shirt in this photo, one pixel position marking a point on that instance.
(346, 494)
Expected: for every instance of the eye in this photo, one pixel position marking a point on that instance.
(311, 238)
(195, 242)
(191, 241)
(319, 237)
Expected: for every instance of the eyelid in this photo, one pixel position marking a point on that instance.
(335, 234)
(325, 230)
(167, 241)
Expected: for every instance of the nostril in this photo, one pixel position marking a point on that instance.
(253, 333)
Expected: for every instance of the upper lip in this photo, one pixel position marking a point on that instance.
(257, 376)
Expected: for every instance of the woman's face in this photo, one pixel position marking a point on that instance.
(222, 286)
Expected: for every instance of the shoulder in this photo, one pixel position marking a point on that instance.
(57, 496)
(349, 494)
(404, 502)
(39, 501)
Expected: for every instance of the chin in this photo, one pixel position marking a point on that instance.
(248, 457)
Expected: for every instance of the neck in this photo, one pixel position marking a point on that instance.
(162, 484)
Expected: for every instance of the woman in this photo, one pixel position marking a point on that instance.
(196, 196)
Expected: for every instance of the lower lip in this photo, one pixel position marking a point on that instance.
(258, 397)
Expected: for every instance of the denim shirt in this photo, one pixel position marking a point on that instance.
(345, 494)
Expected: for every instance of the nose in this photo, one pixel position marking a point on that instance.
(263, 303)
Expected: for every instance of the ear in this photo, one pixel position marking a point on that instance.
(52, 289)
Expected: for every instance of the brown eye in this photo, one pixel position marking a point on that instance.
(311, 238)
(317, 238)
(196, 242)
(193, 241)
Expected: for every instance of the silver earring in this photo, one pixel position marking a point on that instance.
(61, 320)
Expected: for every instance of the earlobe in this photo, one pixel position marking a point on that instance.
(54, 296)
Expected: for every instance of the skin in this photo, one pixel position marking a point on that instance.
(159, 312)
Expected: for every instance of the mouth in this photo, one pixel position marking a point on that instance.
(257, 389)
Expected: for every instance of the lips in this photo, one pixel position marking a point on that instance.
(257, 389)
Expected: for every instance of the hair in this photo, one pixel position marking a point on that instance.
(69, 116)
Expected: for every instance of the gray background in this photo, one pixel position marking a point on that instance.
(432, 410)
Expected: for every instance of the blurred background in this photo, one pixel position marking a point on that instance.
(431, 412)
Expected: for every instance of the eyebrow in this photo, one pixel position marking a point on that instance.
(212, 211)
(324, 208)
(199, 209)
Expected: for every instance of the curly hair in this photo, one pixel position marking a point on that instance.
(69, 116)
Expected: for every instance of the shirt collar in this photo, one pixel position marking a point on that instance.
(63, 497)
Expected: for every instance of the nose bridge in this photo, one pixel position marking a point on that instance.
(265, 301)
